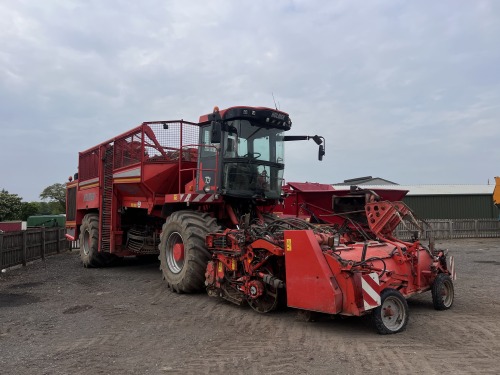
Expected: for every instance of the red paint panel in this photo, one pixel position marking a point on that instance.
(310, 283)
(11, 226)
(87, 198)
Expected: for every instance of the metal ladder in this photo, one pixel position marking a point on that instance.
(107, 198)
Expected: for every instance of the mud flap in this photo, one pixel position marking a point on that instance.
(450, 265)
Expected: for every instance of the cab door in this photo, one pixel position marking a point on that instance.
(207, 181)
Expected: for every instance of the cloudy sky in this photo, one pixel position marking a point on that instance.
(406, 91)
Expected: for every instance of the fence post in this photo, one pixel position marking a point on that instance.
(476, 228)
(25, 247)
(42, 251)
(450, 223)
(1, 251)
(58, 236)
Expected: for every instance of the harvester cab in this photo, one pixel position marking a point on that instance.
(242, 152)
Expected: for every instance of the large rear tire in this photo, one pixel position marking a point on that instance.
(89, 242)
(183, 254)
(392, 315)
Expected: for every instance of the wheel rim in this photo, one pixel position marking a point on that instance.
(175, 252)
(267, 301)
(86, 242)
(393, 313)
(447, 293)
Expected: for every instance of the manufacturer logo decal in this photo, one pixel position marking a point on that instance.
(89, 197)
(279, 116)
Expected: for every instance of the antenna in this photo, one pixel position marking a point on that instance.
(274, 100)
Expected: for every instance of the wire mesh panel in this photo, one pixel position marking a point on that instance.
(190, 139)
(163, 141)
(128, 149)
(88, 166)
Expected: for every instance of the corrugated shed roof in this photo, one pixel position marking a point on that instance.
(365, 181)
(438, 189)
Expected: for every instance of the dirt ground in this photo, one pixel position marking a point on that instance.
(58, 318)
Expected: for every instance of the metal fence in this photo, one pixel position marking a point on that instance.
(20, 247)
(451, 229)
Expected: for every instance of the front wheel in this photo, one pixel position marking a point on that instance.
(183, 254)
(392, 315)
(443, 292)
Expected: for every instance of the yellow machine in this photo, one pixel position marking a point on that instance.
(496, 192)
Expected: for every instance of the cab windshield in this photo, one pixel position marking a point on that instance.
(243, 139)
(253, 160)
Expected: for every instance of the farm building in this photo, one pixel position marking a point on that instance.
(368, 180)
(440, 201)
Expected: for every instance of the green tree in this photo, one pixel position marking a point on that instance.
(10, 206)
(29, 209)
(55, 193)
(44, 208)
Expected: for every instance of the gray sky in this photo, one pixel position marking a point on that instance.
(407, 91)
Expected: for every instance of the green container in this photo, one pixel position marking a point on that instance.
(47, 221)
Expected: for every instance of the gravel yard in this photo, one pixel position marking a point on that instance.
(58, 318)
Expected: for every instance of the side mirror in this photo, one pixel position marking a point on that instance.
(321, 152)
(317, 139)
(216, 132)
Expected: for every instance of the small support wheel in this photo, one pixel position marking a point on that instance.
(267, 302)
(443, 292)
(392, 315)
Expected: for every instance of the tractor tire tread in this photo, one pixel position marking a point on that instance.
(94, 259)
(377, 313)
(439, 283)
(194, 227)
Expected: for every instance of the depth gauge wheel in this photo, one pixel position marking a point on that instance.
(267, 302)
(392, 315)
(443, 292)
(183, 254)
